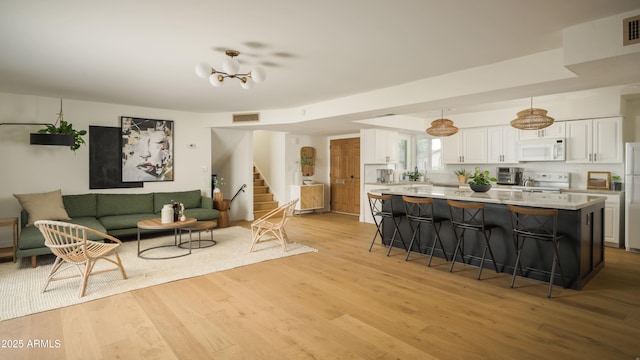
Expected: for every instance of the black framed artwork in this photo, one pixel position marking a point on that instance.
(147, 149)
(105, 167)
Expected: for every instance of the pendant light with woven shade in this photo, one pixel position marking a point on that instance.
(532, 119)
(442, 127)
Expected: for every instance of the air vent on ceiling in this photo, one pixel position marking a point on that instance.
(631, 31)
(246, 117)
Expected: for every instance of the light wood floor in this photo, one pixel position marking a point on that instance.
(346, 303)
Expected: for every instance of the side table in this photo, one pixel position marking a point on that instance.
(200, 226)
(157, 224)
(222, 206)
(10, 251)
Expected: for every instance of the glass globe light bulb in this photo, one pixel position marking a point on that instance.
(203, 70)
(246, 83)
(258, 74)
(216, 80)
(231, 66)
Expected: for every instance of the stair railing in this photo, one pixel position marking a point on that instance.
(237, 193)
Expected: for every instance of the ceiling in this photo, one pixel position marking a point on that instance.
(143, 52)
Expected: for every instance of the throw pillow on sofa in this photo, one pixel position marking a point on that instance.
(43, 206)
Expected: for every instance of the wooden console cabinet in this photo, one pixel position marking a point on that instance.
(311, 197)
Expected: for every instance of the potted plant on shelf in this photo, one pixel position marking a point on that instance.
(462, 176)
(60, 133)
(480, 181)
(616, 183)
(65, 128)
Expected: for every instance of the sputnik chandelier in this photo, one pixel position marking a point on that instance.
(231, 67)
(532, 119)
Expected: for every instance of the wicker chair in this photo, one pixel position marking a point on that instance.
(72, 248)
(270, 226)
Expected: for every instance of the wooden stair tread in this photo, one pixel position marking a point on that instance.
(263, 201)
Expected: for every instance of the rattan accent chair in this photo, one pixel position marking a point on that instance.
(72, 248)
(270, 226)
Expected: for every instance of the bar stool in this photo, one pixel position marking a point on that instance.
(382, 207)
(470, 216)
(537, 224)
(419, 211)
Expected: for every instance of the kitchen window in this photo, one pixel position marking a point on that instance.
(403, 145)
(428, 153)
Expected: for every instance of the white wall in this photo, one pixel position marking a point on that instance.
(33, 168)
(237, 169)
(632, 120)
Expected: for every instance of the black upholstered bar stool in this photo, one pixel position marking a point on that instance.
(540, 225)
(382, 208)
(470, 216)
(419, 211)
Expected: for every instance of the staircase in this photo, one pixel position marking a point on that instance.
(262, 199)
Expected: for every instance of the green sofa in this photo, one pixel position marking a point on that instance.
(114, 214)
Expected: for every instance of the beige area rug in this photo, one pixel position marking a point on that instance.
(21, 285)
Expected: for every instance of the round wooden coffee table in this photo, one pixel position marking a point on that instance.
(200, 226)
(156, 224)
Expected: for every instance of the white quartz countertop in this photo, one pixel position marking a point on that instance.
(542, 200)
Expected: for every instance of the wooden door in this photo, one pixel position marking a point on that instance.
(345, 175)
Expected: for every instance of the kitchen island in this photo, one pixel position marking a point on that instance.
(580, 218)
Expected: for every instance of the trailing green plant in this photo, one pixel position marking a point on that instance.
(65, 128)
(480, 177)
(306, 160)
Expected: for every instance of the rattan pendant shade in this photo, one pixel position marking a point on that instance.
(442, 127)
(532, 119)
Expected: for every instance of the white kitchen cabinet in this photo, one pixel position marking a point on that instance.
(502, 144)
(595, 141)
(365, 210)
(556, 130)
(613, 215)
(311, 197)
(468, 146)
(380, 146)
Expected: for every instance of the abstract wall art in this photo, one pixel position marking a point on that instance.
(147, 149)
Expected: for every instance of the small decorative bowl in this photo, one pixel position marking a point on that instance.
(480, 188)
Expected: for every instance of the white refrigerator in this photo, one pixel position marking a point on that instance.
(632, 197)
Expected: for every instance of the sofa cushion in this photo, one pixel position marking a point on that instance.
(190, 199)
(123, 204)
(31, 237)
(202, 214)
(43, 206)
(115, 222)
(80, 205)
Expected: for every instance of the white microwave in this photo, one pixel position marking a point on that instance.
(552, 149)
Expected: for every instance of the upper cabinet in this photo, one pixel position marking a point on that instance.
(503, 144)
(468, 146)
(380, 146)
(595, 141)
(556, 130)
